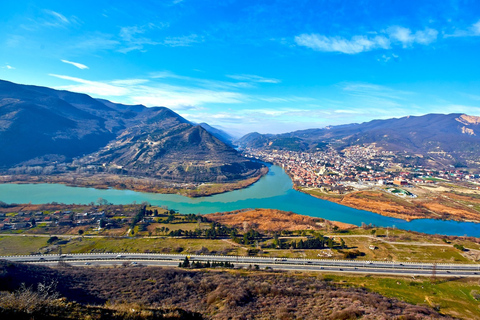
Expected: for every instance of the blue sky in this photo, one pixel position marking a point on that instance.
(266, 66)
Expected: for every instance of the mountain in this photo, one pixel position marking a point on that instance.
(444, 138)
(41, 126)
(218, 133)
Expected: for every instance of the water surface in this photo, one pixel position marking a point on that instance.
(273, 191)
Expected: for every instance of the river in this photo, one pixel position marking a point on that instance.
(273, 191)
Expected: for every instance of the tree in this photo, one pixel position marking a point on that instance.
(102, 202)
(185, 263)
(52, 239)
(80, 232)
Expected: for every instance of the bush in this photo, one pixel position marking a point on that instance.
(52, 239)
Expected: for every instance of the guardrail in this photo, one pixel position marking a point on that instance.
(243, 259)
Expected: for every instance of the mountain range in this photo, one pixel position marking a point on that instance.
(441, 139)
(69, 131)
(72, 132)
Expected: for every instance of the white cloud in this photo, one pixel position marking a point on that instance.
(155, 94)
(9, 67)
(471, 31)
(92, 87)
(98, 41)
(128, 33)
(76, 64)
(128, 82)
(475, 28)
(401, 34)
(184, 41)
(347, 111)
(205, 83)
(362, 43)
(60, 17)
(374, 91)
(407, 38)
(179, 97)
(426, 36)
(253, 78)
(56, 20)
(356, 44)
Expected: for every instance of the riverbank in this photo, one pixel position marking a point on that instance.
(430, 203)
(273, 191)
(138, 184)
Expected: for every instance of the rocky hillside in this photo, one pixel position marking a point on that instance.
(445, 138)
(42, 127)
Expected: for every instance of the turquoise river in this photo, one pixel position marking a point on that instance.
(274, 191)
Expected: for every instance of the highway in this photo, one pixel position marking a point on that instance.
(319, 265)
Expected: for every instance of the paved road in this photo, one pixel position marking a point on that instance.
(365, 267)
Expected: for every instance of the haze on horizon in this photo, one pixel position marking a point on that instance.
(246, 66)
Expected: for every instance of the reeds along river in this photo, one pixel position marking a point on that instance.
(273, 191)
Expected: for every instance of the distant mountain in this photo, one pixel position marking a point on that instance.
(444, 138)
(218, 133)
(42, 126)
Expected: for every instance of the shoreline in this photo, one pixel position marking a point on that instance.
(427, 209)
(137, 184)
(356, 203)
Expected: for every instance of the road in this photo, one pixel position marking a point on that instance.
(348, 266)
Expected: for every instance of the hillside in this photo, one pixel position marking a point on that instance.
(211, 294)
(46, 131)
(446, 139)
(218, 133)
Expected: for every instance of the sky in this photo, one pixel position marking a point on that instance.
(245, 66)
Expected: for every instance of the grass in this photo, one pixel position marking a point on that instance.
(318, 193)
(433, 179)
(157, 245)
(21, 245)
(177, 226)
(454, 297)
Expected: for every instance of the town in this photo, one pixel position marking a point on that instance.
(357, 168)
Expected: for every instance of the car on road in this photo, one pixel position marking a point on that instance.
(87, 263)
